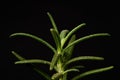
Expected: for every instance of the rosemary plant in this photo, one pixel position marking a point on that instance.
(62, 57)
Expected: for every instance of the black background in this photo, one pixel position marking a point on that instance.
(31, 17)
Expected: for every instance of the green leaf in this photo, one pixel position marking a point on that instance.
(71, 32)
(79, 66)
(92, 72)
(65, 77)
(53, 22)
(70, 70)
(36, 38)
(68, 52)
(83, 58)
(56, 39)
(18, 56)
(45, 75)
(32, 61)
(65, 73)
(54, 60)
(87, 37)
(63, 33)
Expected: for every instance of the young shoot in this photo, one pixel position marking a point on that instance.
(65, 42)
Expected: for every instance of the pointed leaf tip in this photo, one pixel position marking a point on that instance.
(17, 55)
(52, 22)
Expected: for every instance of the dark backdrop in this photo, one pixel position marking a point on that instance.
(31, 17)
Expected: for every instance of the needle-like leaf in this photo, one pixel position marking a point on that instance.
(36, 38)
(54, 60)
(91, 72)
(68, 52)
(83, 58)
(79, 66)
(45, 75)
(18, 56)
(32, 61)
(85, 38)
(71, 32)
(70, 70)
(53, 22)
(56, 38)
(63, 33)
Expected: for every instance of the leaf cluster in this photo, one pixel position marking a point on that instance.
(62, 57)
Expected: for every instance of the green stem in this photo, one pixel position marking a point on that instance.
(60, 68)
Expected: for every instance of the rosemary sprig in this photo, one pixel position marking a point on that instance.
(62, 56)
